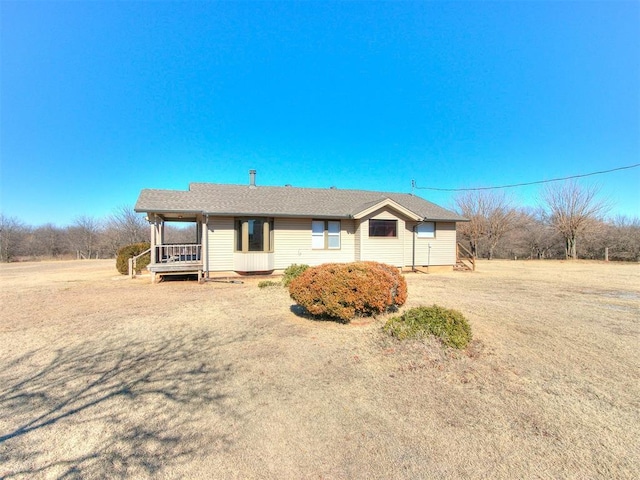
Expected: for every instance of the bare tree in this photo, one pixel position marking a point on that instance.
(471, 205)
(571, 210)
(592, 246)
(130, 226)
(123, 227)
(541, 239)
(501, 218)
(624, 239)
(50, 241)
(12, 237)
(83, 236)
(175, 232)
(491, 215)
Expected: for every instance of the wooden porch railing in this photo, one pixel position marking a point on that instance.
(175, 253)
(133, 263)
(466, 261)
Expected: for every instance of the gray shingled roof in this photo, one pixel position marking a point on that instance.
(236, 200)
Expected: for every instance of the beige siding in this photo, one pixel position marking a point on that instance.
(443, 246)
(385, 250)
(358, 241)
(221, 239)
(292, 243)
(252, 262)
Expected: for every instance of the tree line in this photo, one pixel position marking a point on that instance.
(570, 223)
(86, 237)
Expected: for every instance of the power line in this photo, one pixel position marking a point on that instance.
(414, 185)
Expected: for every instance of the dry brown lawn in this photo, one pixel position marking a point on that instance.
(106, 377)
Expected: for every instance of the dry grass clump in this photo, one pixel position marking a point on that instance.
(345, 290)
(448, 325)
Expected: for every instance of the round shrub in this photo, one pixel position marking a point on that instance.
(292, 271)
(345, 290)
(128, 251)
(448, 325)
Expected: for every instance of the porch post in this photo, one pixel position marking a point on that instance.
(199, 231)
(153, 240)
(204, 242)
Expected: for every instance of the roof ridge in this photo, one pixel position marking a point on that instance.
(282, 187)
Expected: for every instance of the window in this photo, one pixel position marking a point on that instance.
(325, 234)
(254, 234)
(317, 234)
(383, 228)
(333, 234)
(426, 230)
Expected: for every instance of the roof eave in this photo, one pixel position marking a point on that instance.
(453, 220)
(160, 211)
(276, 214)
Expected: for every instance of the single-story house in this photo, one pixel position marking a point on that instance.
(259, 229)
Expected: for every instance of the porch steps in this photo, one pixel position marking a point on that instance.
(465, 261)
(461, 266)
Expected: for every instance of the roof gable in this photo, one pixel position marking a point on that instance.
(387, 202)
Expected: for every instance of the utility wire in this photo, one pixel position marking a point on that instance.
(414, 185)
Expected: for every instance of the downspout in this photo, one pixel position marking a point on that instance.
(413, 257)
(415, 230)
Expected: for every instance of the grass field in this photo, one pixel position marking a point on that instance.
(106, 377)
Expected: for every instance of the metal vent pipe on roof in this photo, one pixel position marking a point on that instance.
(252, 178)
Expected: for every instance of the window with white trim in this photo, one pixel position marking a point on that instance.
(325, 234)
(317, 234)
(426, 230)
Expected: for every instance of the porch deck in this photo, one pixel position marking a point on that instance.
(176, 259)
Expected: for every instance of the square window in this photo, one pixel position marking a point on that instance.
(426, 230)
(325, 234)
(383, 228)
(254, 234)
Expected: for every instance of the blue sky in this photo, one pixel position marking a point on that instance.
(102, 99)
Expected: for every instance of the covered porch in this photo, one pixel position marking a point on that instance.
(177, 258)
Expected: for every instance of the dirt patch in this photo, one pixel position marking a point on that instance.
(108, 377)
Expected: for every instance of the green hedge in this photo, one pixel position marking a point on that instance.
(292, 272)
(129, 251)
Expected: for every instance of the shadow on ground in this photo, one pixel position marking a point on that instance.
(112, 408)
